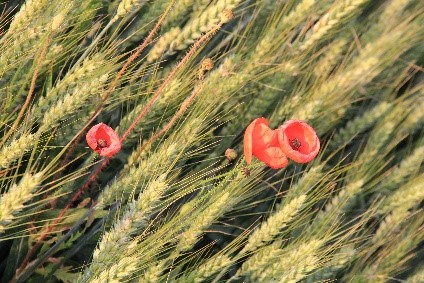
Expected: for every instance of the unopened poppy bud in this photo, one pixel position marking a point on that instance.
(230, 154)
(207, 64)
(227, 15)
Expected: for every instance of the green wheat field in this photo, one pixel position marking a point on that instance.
(179, 81)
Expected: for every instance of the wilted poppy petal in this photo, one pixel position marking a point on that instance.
(273, 157)
(91, 137)
(262, 137)
(256, 137)
(104, 140)
(298, 141)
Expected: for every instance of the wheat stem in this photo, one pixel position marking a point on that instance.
(360, 124)
(330, 269)
(206, 270)
(159, 91)
(13, 201)
(337, 15)
(407, 167)
(295, 265)
(407, 196)
(270, 228)
(116, 241)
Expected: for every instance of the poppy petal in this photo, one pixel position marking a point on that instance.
(251, 133)
(105, 133)
(262, 136)
(298, 141)
(91, 136)
(273, 157)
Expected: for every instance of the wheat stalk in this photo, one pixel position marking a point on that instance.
(78, 78)
(391, 258)
(387, 19)
(28, 13)
(329, 270)
(407, 196)
(390, 225)
(162, 44)
(199, 219)
(256, 263)
(305, 183)
(127, 7)
(297, 15)
(331, 57)
(72, 101)
(137, 30)
(366, 66)
(296, 264)
(23, 41)
(339, 203)
(414, 119)
(283, 264)
(207, 269)
(216, 204)
(16, 149)
(118, 272)
(154, 273)
(289, 21)
(194, 29)
(270, 228)
(417, 277)
(182, 9)
(13, 201)
(337, 15)
(116, 241)
(203, 220)
(407, 167)
(360, 123)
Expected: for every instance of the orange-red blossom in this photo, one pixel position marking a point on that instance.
(295, 140)
(103, 140)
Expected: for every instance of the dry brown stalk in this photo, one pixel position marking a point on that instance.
(76, 141)
(30, 93)
(184, 106)
(158, 92)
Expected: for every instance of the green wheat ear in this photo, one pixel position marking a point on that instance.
(14, 199)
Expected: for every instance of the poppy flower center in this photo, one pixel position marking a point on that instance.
(104, 140)
(295, 144)
(101, 143)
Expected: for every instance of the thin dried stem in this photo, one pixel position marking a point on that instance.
(171, 122)
(30, 93)
(50, 228)
(113, 85)
(158, 92)
(189, 54)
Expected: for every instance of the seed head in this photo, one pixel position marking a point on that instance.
(227, 15)
(207, 64)
(230, 154)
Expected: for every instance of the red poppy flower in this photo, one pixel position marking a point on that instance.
(298, 141)
(262, 142)
(104, 140)
(273, 157)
